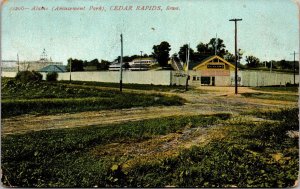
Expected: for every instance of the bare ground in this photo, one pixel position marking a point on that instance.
(217, 100)
(132, 153)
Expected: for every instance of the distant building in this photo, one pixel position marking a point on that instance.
(54, 68)
(9, 65)
(116, 66)
(142, 64)
(13, 65)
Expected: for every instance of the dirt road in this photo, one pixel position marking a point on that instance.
(217, 100)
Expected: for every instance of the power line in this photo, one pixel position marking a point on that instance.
(294, 68)
(121, 62)
(235, 50)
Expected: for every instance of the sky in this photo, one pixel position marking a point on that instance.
(269, 29)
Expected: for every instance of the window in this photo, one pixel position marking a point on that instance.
(205, 80)
(194, 78)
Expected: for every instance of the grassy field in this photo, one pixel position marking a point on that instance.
(59, 157)
(269, 96)
(46, 97)
(251, 155)
(252, 147)
(164, 88)
(277, 89)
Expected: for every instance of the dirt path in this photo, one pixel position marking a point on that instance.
(218, 100)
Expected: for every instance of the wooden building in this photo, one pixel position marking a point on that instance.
(213, 70)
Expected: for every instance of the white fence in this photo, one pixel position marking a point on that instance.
(265, 78)
(248, 78)
(139, 77)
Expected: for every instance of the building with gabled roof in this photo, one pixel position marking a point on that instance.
(212, 70)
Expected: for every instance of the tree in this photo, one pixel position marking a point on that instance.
(104, 65)
(161, 53)
(183, 53)
(285, 64)
(231, 58)
(203, 48)
(217, 43)
(77, 65)
(252, 61)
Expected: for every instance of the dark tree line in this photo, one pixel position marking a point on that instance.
(161, 53)
(80, 65)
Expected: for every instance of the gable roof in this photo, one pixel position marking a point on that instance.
(210, 58)
(54, 68)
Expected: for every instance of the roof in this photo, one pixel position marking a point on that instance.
(200, 58)
(144, 58)
(54, 68)
(208, 59)
(205, 59)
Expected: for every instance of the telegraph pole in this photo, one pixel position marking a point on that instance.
(121, 62)
(235, 52)
(294, 66)
(70, 69)
(141, 60)
(216, 44)
(18, 62)
(187, 65)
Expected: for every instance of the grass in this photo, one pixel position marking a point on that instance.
(250, 155)
(276, 89)
(162, 88)
(281, 97)
(48, 98)
(60, 158)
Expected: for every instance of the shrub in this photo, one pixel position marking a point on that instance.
(51, 76)
(27, 76)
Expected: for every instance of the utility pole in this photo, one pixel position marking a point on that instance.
(271, 66)
(187, 65)
(70, 69)
(18, 63)
(235, 51)
(121, 62)
(141, 61)
(216, 44)
(294, 66)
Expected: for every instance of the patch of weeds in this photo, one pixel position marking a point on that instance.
(61, 158)
(47, 98)
(277, 89)
(282, 97)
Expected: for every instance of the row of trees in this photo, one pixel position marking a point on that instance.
(254, 62)
(203, 50)
(80, 65)
(161, 53)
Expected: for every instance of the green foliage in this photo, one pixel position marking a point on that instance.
(277, 88)
(252, 62)
(60, 158)
(183, 53)
(28, 76)
(283, 97)
(51, 76)
(43, 98)
(131, 86)
(76, 65)
(231, 58)
(161, 53)
(208, 49)
(243, 159)
(217, 43)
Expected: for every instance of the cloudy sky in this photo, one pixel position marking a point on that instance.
(269, 29)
